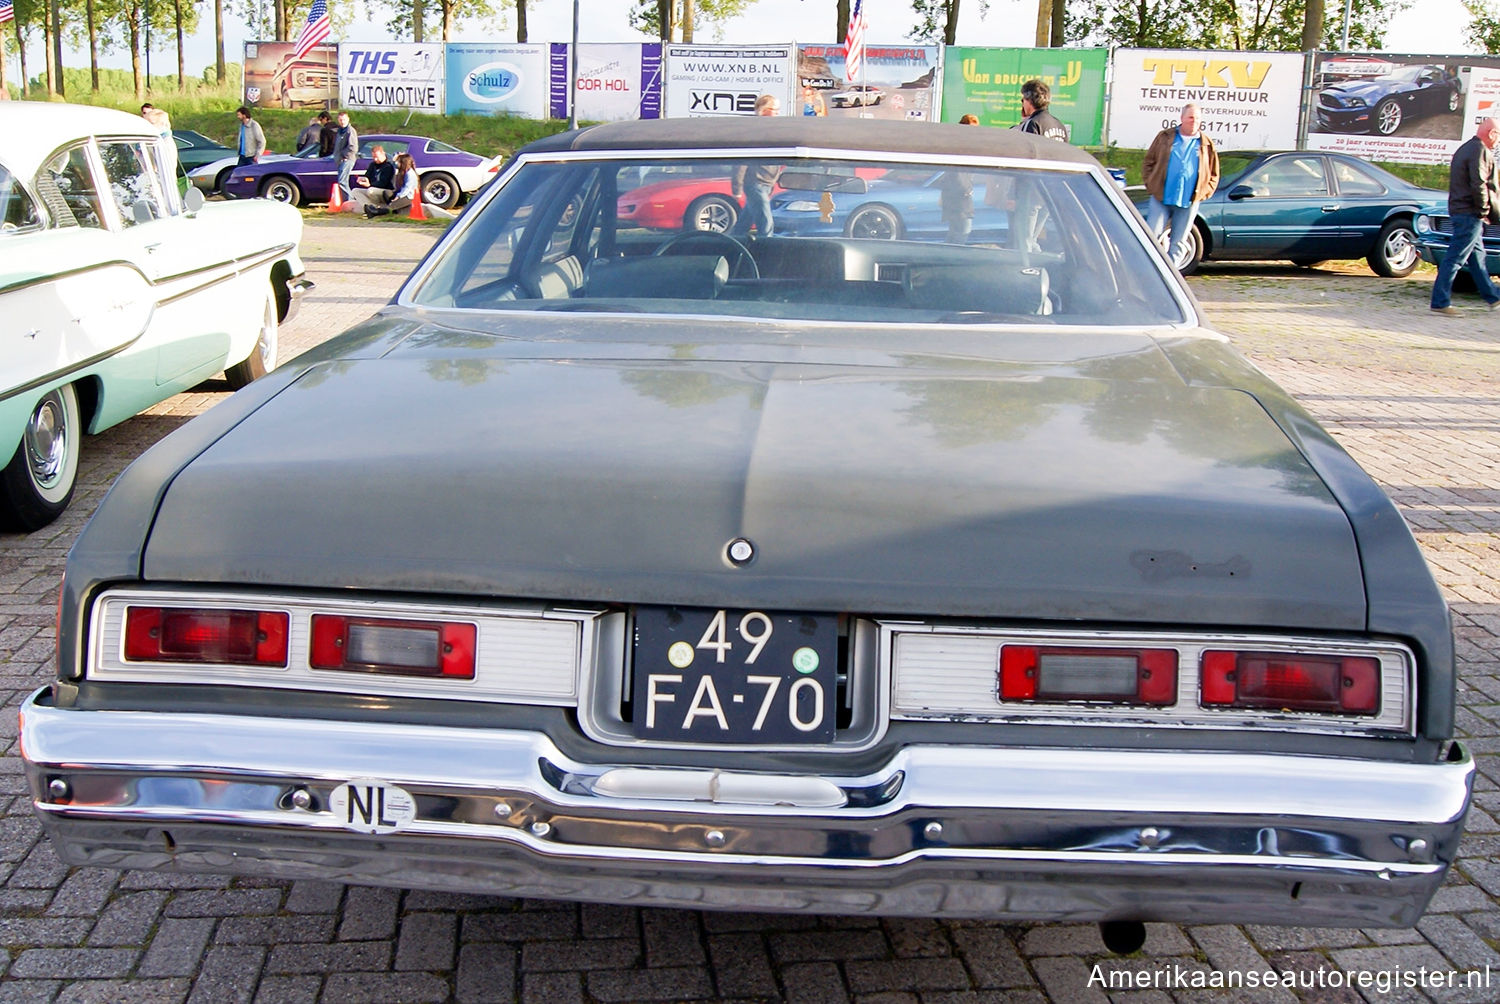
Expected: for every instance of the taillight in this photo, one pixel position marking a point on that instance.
(1123, 676)
(182, 634)
(1291, 682)
(401, 648)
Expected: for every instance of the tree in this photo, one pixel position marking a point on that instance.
(1483, 30)
(1277, 25)
(685, 15)
(937, 20)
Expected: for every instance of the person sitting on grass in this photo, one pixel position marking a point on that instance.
(406, 184)
(378, 184)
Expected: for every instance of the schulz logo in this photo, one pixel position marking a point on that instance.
(723, 102)
(491, 83)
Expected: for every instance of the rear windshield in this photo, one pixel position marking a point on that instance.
(808, 238)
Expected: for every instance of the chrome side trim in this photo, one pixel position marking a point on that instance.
(950, 673)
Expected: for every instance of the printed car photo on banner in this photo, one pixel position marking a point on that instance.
(1246, 100)
(1404, 108)
(615, 81)
(276, 77)
(986, 83)
(704, 80)
(894, 82)
(391, 76)
(499, 79)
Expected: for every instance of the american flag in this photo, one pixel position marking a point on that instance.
(7, 11)
(315, 30)
(854, 41)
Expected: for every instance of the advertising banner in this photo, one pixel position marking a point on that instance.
(492, 78)
(707, 80)
(1409, 109)
(274, 78)
(1246, 100)
(987, 83)
(895, 82)
(391, 76)
(615, 81)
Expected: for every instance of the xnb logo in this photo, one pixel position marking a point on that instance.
(371, 62)
(723, 102)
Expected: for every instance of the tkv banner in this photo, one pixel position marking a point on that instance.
(499, 79)
(391, 76)
(614, 81)
(987, 83)
(704, 80)
(1246, 100)
(894, 81)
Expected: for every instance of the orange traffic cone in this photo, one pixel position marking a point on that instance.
(336, 199)
(416, 205)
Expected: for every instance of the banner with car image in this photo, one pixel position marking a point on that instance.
(713, 80)
(391, 76)
(894, 82)
(276, 77)
(1405, 108)
(986, 83)
(1246, 100)
(498, 79)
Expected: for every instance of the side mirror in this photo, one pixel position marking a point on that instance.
(140, 209)
(193, 200)
(1239, 192)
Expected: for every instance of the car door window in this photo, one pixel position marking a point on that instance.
(133, 172)
(1354, 181)
(66, 185)
(17, 212)
(392, 147)
(1290, 177)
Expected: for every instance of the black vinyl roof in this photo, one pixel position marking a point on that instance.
(872, 135)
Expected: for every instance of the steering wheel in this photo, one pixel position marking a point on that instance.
(723, 243)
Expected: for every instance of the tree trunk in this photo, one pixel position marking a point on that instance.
(1043, 23)
(57, 46)
(1059, 8)
(279, 7)
(447, 20)
(688, 16)
(520, 20)
(950, 29)
(219, 70)
(842, 28)
(88, 10)
(135, 52)
(1312, 26)
(418, 21)
(181, 58)
(21, 53)
(664, 19)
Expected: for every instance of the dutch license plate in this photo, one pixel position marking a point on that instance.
(734, 676)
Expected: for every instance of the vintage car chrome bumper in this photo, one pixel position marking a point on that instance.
(940, 830)
(297, 287)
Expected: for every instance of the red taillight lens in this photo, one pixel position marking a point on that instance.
(1347, 685)
(1124, 676)
(232, 637)
(400, 648)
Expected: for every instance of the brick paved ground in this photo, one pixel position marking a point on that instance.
(1415, 398)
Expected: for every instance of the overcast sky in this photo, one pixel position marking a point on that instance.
(1436, 27)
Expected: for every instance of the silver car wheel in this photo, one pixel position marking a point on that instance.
(51, 453)
(262, 358)
(1399, 249)
(711, 212)
(1388, 117)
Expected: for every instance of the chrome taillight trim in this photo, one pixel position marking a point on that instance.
(523, 654)
(948, 672)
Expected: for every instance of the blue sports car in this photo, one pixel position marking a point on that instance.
(905, 204)
(1381, 104)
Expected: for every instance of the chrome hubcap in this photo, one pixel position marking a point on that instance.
(47, 441)
(1390, 119)
(715, 217)
(267, 344)
(1400, 250)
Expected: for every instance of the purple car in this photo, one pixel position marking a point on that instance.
(447, 172)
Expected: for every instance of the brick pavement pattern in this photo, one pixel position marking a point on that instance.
(1415, 398)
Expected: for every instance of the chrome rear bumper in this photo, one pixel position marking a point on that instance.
(955, 831)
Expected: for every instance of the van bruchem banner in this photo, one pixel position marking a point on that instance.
(400, 76)
(1246, 100)
(498, 79)
(704, 80)
(987, 83)
(895, 81)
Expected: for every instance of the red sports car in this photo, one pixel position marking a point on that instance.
(682, 202)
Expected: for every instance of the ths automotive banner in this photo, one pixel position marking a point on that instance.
(894, 82)
(276, 78)
(498, 79)
(1246, 100)
(393, 76)
(987, 83)
(615, 81)
(724, 79)
(1411, 109)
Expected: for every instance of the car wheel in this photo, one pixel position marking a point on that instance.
(711, 212)
(286, 98)
(262, 358)
(1395, 253)
(1308, 262)
(280, 188)
(1192, 251)
(37, 484)
(1387, 117)
(874, 223)
(439, 189)
(219, 180)
(1454, 100)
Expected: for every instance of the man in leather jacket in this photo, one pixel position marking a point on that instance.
(1473, 199)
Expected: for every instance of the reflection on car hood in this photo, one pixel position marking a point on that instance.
(1366, 88)
(1073, 476)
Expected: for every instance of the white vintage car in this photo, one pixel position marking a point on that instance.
(116, 292)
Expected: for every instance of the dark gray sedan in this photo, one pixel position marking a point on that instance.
(951, 576)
